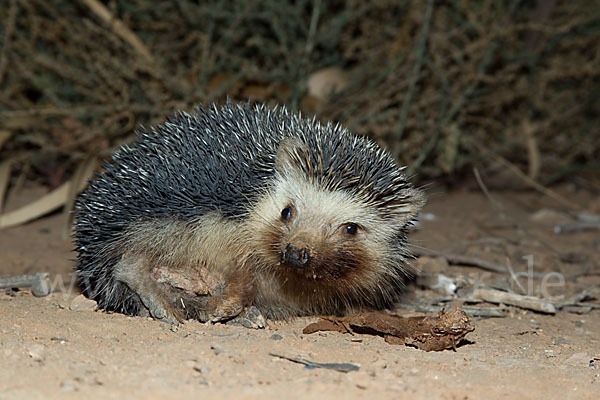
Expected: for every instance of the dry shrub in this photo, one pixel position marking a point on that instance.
(437, 82)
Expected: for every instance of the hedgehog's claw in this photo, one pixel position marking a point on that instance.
(223, 308)
(223, 314)
(158, 312)
(250, 318)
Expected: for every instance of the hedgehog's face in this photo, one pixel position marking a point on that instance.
(316, 235)
(329, 248)
(317, 240)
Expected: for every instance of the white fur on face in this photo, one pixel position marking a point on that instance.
(322, 213)
(314, 209)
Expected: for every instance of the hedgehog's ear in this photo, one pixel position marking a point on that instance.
(289, 154)
(410, 205)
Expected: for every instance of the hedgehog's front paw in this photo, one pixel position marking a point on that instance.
(223, 308)
(250, 318)
(161, 311)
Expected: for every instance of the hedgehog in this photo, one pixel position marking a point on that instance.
(242, 207)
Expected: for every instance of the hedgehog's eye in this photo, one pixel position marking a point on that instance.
(350, 229)
(286, 213)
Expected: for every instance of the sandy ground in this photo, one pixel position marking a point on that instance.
(51, 347)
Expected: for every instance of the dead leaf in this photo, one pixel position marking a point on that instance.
(426, 333)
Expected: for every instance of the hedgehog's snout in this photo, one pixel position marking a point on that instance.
(296, 255)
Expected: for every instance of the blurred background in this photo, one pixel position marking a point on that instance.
(511, 86)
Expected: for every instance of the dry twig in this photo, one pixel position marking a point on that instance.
(119, 27)
(513, 299)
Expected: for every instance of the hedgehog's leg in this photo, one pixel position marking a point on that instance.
(207, 296)
(136, 272)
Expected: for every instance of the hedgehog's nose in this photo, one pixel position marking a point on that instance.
(296, 257)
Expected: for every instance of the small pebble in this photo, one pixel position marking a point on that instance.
(427, 217)
(68, 386)
(216, 349)
(41, 288)
(202, 370)
(81, 303)
(37, 352)
(276, 336)
(361, 380)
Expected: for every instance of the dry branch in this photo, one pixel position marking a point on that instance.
(437, 75)
(119, 27)
(500, 297)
